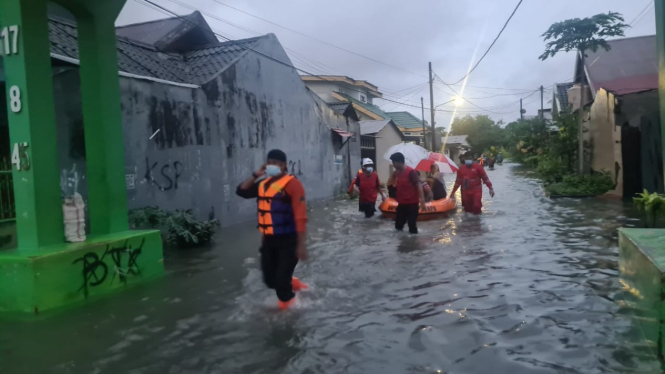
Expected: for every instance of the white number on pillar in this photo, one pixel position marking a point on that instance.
(10, 38)
(16, 157)
(15, 99)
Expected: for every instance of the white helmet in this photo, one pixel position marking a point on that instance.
(367, 161)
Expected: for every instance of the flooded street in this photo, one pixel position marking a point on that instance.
(530, 287)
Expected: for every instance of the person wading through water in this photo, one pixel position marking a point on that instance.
(368, 187)
(409, 193)
(471, 177)
(282, 213)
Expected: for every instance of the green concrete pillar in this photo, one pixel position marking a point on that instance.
(25, 47)
(100, 95)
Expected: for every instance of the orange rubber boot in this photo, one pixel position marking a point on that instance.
(284, 305)
(298, 285)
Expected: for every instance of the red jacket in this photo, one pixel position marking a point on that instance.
(369, 187)
(471, 177)
(407, 187)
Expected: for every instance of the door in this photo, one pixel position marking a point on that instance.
(631, 150)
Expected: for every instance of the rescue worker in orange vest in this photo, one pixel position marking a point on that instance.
(470, 177)
(368, 186)
(282, 213)
(409, 193)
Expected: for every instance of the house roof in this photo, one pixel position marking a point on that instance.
(562, 94)
(369, 107)
(631, 66)
(135, 57)
(406, 120)
(455, 139)
(345, 109)
(372, 127)
(374, 90)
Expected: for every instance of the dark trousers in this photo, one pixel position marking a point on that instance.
(278, 261)
(368, 208)
(407, 213)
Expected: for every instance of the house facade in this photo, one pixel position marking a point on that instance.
(376, 138)
(200, 115)
(454, 146)
(325, 85)
(621, 132)
(413, 128)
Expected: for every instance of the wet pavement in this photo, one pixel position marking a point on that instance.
(530, 287)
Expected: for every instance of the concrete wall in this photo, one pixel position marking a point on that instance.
(605, 139)
(386, 138)
(188, 148)
(325, 89)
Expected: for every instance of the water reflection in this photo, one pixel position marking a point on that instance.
(530, 287)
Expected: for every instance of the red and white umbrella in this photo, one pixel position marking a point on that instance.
(445, 164)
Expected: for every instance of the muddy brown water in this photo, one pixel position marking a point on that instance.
(529, 287)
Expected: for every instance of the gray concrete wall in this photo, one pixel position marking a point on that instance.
(206, 141)
(386, 138)
(605, 139)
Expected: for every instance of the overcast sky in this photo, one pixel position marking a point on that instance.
(405, 36)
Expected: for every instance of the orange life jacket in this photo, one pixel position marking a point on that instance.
(275, 209)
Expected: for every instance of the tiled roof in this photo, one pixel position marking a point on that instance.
(372, 108)
(195, 67)
(562, 95)
(455, 139)
(406, 120)
(372, 127)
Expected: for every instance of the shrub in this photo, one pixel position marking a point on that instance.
(551, 169)
(178, 228)
(575, 185)
(652, 205)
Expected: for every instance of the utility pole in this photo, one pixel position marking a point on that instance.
(521, 111)
(422, 105)
(542, 103)
(431, 104)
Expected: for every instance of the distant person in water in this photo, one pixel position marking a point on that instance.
(471, 177)
(499, 158)
(490, 162)
(368, 186)
(282, 213)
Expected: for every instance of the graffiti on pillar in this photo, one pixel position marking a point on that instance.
(95, 271)
(294, 171)
(168, 174)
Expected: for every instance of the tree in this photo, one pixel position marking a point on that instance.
(483, 132)
(587, 34)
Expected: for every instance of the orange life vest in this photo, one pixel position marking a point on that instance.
(275, 209)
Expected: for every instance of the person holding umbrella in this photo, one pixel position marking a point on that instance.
(409, 193)
(470, 177)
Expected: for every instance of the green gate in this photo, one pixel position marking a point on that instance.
(7, 206)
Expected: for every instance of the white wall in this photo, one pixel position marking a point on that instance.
(387, 137)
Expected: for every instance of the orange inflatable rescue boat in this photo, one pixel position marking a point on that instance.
(433, 210)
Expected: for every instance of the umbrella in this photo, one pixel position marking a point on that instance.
(412, 153)
(445, 164)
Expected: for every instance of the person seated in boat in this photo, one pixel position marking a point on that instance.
(427, 190)
(368, 187)
(436, 182)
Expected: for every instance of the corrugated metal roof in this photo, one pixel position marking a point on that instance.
(455, 139)
(630, 66)
(204, 64)
(372, 127)
(406, 120)
(371, 107)
(562, 95)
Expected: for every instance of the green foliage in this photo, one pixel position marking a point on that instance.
(183, 230)
(551, 169)
(586, 34)
(652, 205)
(483, 132)
(178, 228)
(575, 185)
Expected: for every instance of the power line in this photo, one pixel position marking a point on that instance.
(491, 45)
(641, 14)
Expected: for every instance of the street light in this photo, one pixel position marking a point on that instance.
(455, 99)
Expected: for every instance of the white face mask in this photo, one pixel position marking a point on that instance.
(369, 169)
(273, 170)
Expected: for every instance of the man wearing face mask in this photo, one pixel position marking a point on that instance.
(282, 216)
(471, 177)
(368, 187)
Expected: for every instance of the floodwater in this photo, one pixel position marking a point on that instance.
(530, 287)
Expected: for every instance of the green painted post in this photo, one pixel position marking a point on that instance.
(25, 46)
(660, 37)
(100, 94)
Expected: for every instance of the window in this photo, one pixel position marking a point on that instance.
(363, 98)
(407, 133)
